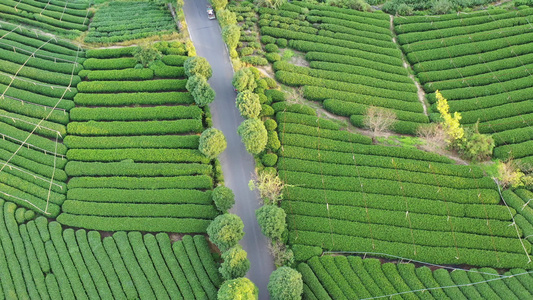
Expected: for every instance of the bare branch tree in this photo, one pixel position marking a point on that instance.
(379, 119)
(434, 136)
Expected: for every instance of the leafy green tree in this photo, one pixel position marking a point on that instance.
(235, 264)
(271, 219)
(248, 104)
(272, 3)
(218, 4)
(253, 135)
(197, 65)
(231, 35)
(200, 90)
(285, 284)
(212, 142)
(145, 54)
(223, 198)
(226, 231)
(244, 80)
(226, 17)
(238, 289)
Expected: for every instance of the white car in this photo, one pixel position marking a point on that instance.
(210, 13)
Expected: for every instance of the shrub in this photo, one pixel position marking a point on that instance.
(235, 264)
(271, 48)
(379, 119)
(254, 135)
(255, 60)
(212, 142)
(248, 104)
(270, 124)
(244, 80)
(275, 95)
(285, 284)
(246, 51)
(271, 219)
(269, 160)
(223, 198)
(281, 42)
(200, 90)
(197, 65)
(226, 17)
(266, 39)
(231, 35)
(225, 231)
(240, 288)
(273, 142)
(146, 54)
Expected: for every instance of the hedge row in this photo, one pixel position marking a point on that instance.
(439, 255)
(138, 155)
(391, 203)
(108, 63)
(344, 15)
(179, 182)
(33, 166)
(307, 46)
(132, 86)
(463, 35)
(44, 143)
(124, 74)
(318, 93)
(399, 88)
(324, 133)
(166, 196)
(35, 98)
(38, 87)
(144, 141)
(32, 155)
(402, 127)
(371, 68)
(105, 209)
(341, 147)
(41, 192)
(60, 16)
(42, 21)
(439, 224)
(46, 128)
(513, 136)
(21, 57)
(110, 53)
(163, 71)
(28, 42)
(378, 30)
(134, 127)
(305, 119)
(472, 59)
(20, 177)
(35, 111)
(77, 168)
(174, 60)
(384, 173)
(497, 113)
(120, 99)
(135, 113)
(359, 50)
(391, 187)
(39, 74)
(520, 150)
(209, 288)
(501, 67)
(343, 108)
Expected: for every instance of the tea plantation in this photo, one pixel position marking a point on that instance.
(107, 190)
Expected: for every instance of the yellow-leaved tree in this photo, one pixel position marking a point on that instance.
(452, 126)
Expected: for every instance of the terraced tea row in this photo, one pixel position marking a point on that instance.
(121, 21)
(63, 17)
(345, 194)
(38, 82)
(133, 149)
(40, 260)
(342, 277)
(353, 61)
(481, 63)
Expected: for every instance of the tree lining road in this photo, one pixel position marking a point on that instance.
(237, 164)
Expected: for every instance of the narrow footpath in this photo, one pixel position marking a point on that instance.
(237, 164)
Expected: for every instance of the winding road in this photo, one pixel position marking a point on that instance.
(237, 164)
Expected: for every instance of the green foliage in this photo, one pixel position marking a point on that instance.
(235, 264)
(212, 142)
(285, 283)
(146, 54)
(231, 35)
(248, 104)
(269, 159)
(131, 86)
(139, 98)
(226, 17)
(253, 135)
(223, 198)
(240, 288)
(270, 124)
(225, 231)
(218, 4)
(271, 219)
(197, 65)
(200, 90)
(244, 80)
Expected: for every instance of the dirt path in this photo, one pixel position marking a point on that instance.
(421, 93)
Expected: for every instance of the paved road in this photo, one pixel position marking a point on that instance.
(237, 164)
